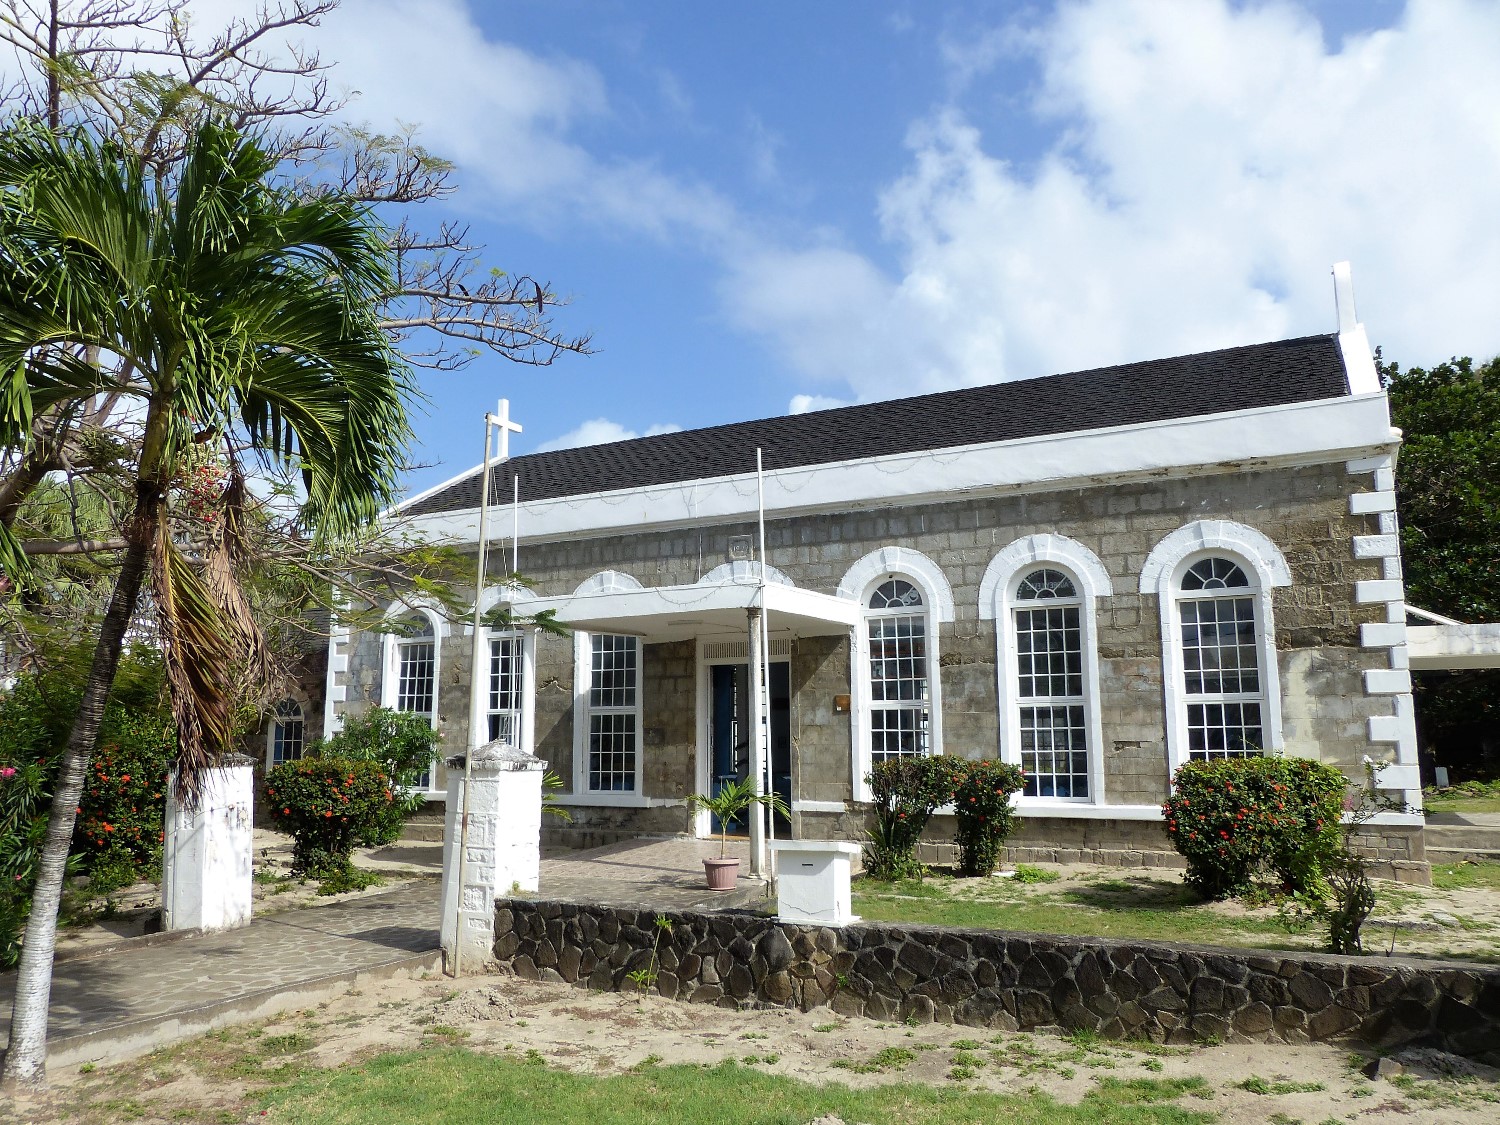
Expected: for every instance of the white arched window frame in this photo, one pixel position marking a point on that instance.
(863, 579)
(999, 601)
(1264, 568)
(412, 667)
(286, 734)
(502, 696)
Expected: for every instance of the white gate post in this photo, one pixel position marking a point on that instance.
(208, 852)
(504, 846)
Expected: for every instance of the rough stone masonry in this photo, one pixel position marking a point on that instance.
(1164, 992)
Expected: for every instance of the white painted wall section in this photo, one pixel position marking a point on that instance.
(209, 852)
(503, 847)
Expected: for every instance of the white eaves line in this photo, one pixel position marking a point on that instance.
(1289, 434)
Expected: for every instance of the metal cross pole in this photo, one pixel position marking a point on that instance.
(476, 663)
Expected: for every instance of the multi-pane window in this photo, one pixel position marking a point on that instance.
(899, 696)
(503, 703)
(1050, 689)
(416, 677)
(613, 712)
(287, 732)
(1220, 661)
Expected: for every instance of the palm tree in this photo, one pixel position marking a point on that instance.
(233, 314)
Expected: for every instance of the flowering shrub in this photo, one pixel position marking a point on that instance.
(327, 805)
(1233, 817)
(403, 744)
(981, 802)
(906, 792)
(135, 739)
(122, 815)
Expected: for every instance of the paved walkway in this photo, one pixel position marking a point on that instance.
(133, 996)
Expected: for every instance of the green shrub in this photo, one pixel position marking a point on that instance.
(906, 791)
(122, 816)
(327, 805)
(403, 744)
(36, 715)
(1234, 817)
(981, 803)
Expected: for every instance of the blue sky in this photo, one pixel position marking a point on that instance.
(759, 207)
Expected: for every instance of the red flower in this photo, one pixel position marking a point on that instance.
(286, 812)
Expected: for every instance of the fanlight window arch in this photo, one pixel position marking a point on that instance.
(897, 629)
(1220, 640)
(1051, 698)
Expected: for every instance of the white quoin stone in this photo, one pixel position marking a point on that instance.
(812, 881)
(209, 851)
(503, 850)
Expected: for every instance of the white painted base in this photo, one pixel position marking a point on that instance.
(209, 852)
(812, 881)
(503, 852)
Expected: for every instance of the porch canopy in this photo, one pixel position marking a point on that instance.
(1438, 643)
(710, 610)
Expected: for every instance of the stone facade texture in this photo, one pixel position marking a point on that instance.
(1303, 510)
(1012, 982)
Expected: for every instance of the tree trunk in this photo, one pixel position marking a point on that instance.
(26, 1058)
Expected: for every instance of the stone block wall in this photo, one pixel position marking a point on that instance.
(1306, 511)
(1008, 981)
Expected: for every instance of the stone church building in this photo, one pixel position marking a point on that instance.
(1096, 575)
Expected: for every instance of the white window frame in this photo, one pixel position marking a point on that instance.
(272, 728)
(583, 674)
(479, 683)
(998, 602)
(1265, 567)
(860, 582)
(390, 665)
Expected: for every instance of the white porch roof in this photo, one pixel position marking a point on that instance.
(678, 613)
(1453, 645)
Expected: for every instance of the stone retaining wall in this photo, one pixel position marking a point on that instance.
(1008, 981)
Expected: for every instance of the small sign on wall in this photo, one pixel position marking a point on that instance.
(840, 704)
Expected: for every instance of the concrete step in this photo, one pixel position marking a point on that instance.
(1462, 836)
(422, 832)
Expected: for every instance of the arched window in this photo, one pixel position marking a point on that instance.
(506, 687)
(1223, 684)
(900, 712)
(1041, 591)
(1052, 728)
(286, 735)
(1213, 581)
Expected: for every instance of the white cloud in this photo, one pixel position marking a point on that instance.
(806, 404)
(598, 431)
(1210, 164)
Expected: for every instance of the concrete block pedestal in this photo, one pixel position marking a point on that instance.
(812, 881)
(209, 851)
(503, 854)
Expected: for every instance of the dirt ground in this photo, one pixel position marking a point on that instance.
(209, 1080)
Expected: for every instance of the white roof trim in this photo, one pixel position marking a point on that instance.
(1298, 433)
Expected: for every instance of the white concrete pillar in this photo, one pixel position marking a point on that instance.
(756, 813)
(503, 849)
(209, 851)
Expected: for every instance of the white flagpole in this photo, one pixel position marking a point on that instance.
(515, 524)
(763, 673)
(475, 712)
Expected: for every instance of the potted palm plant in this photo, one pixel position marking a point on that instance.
(732, 800)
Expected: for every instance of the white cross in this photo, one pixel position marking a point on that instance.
(506, 426)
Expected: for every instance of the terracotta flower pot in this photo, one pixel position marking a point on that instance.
(721, 873)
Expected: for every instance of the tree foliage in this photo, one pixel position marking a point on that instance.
(1448, 501)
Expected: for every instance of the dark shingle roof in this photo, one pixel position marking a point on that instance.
(1287, 371)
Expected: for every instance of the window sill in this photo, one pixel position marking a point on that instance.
(614, 800)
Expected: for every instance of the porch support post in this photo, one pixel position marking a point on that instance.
(756, 814)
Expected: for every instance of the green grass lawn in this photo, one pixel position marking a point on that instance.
(1126, 907)
(455, 1086)
(1466, 876)
(1462, 804)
